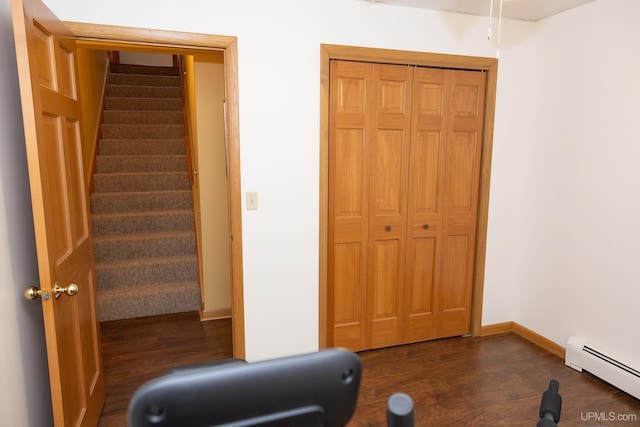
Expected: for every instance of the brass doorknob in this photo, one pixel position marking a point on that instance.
(70, 290)
(32, 293)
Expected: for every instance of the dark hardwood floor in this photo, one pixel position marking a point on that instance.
(135, 351)
(490, 381)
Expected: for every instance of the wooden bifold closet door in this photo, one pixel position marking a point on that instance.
(404, 162)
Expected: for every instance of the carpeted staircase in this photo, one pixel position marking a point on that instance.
(142, 208)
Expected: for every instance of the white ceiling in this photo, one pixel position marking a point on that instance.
(529, 10)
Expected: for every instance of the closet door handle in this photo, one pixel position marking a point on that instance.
(388, 228)
(426, 226)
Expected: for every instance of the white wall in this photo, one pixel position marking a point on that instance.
(562, 239)
(580, 246)
(512, 123)
(24, 383)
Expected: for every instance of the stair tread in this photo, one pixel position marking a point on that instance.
(140, 156)
(141, 140)
(144, 236)
(136, 69)
(137, 214)
(141, 193)
(144, 98)
(145, 261)
(122, 73)
(145, 111)
(142, 125)
(138, 173)
(140, 86)
(150, 287)
(148, 300)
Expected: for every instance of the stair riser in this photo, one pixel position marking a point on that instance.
(124, 164)
(130, 248)
(139, 147)
(114, 224)
(147, 201)
(144, 69)
(143, 80)
(143, 104)
(143, 91)
(146, 273)
(143, 117)
(111, 183)
(142, 131)
(131, 302)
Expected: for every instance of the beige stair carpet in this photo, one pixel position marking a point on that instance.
(142, 209)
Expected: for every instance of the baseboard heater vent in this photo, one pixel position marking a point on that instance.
(617, 372)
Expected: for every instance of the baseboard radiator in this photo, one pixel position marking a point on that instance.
(581, 355)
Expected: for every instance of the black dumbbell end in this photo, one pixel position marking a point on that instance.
(551, 402)
(400, 410)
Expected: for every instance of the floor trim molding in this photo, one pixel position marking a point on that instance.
(222, 313)
(528, 334)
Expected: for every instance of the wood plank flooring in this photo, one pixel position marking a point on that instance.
(475, 382)
(135, 351)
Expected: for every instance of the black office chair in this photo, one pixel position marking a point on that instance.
(317, 389)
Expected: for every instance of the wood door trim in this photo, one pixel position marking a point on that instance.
(112, 37)
(488, 65)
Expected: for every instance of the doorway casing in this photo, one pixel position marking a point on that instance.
(386, 56)
(115, 38)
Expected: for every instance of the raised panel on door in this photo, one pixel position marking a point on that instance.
(461, 189)
(420, 287)
(349, 132)
(455, 292)
(384, 291)
(348, 304)
(425, 202)
(390, 135)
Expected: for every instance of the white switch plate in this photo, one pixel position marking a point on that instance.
(252, 200)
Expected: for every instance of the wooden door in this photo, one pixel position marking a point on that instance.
(45, 53)
(460, 205)
(390, 105)
(351, 85)
(429, 131)
(405, 149)
(444, 173)
(369, 156)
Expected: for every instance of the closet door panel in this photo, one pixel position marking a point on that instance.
(390, 134)
(348, 203)
(461, 189)
(425, 202)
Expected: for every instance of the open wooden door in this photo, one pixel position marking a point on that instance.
(45, 53)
